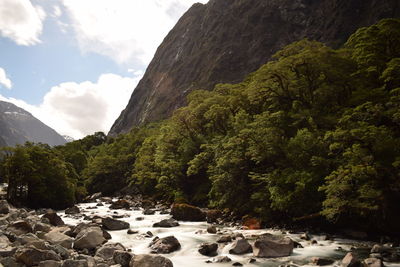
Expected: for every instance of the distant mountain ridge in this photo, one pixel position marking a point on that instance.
(18, 126)
(225, 40)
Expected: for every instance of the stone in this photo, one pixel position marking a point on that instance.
(224, 239)
(372, 262)
(221, 259)
(106, 252)
(42, 227)
(89, 238)
(75, 263)
(305, 236)
(211, 229)
(321, 261)
(350, 260)
(10, 262)
(208, 249)
(120, 204)
(212, 216)
(114, 224)
(237, 264)
(20, 227)
(132, 232)
(53, 218)
(166, 223)
(122, 258)
(164, 245)
(58, 238)
(149, 212)
(73, 210)
(50, 263)
(4, 207)
(240, 246)
(32, 256)
(185, 212)
(251, 223)
(270, 246)
(380, 249)
(145, 260)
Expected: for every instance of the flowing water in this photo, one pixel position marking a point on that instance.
(192, 234)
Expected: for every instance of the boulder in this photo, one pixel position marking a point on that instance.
(53, 218)
(32, 256)
(10, 262)
(207, 249)
(164, 245)
(4, 207)
(106, 252)
(212, 216)
(240, 246)
(89, 238)
(321, 261)
(20, 227)
(221, 259)
(73, 210)
(120, 204)
(42, 227)
(251, 223)
(350, 260)
(185, 212)
(75, 263)
(380, 249)
(211, 229)
(114, 224)
(372, 262)
(122, 258)
(270, 246)
(149, 212)
(145, 260)
(166, 223)
(50, 263)
(224, 239)
(58, 238)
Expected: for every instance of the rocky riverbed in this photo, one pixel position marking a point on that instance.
(128, 232)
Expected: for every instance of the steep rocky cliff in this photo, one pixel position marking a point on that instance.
(18, 126)
(225, 40)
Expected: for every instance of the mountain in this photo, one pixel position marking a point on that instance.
(224, 40)
(18, 126)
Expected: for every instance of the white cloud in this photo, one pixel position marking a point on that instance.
(128, 31)
(79, 109)
(21, 21)
(4, 80)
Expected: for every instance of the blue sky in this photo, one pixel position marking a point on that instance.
(74, 63)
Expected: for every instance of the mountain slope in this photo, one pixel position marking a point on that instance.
(225, 40)
(18, 126)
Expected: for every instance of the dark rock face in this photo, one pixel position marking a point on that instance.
(224, 40)
(185, 212)
(18, 126)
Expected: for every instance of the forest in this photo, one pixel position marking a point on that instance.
(314, 132)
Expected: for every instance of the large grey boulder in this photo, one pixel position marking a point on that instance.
(122, 258)
(165, 245)
(270, 246)
(106, 252)
(114, 224)
(20, 227)
(207, 249)
(32, 256)
(146, 260)
(58, 238)
(166, 223)
(240, 246)
(89, 238)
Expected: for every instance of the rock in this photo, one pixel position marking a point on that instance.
(73, 210)
(114, 224)
(240, 246)
(149, 234)
(251, 223)
(221, 259)
(270, 246)
(132, 232)
(75, 263)
(314, 242)
(20, 227)
(32, 256)
(252, 260)
(237, 264)
(106, 252)
(4, 207)
(165, 245)
(305, 236)
(380, 249)
(207, 249)
(53, 218)
(122, 258)
(320, 261)
(212, 229)
(95, 196)
(372, 262)
(185, 212)
(376, 255)
(350, 260)
(60, 250)
(166, 223)
(145, 260)
(10, 262)
(50, 263)
(120, 204)
(212, 216)
(58, 238)
(149, 212)
(139, 218)
(89, 238)
(224, 239)
(42, 227)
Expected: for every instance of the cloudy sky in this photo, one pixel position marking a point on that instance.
(74, 63)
